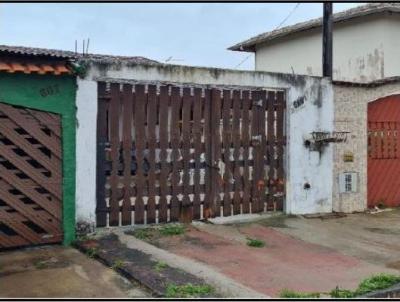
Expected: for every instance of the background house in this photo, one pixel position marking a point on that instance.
(366, 88)
(365, 43)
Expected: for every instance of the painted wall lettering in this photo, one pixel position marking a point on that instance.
(50, 90)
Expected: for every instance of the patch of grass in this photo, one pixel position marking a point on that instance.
(376, 282)
(287, 293)
(341, 293)
(255, 242)
(143, 234)
(154, 233)
(118, 264)
(172, 229)
(160, 266)
(188, 291)
(40, 264)
(82, 238)
(92, 252)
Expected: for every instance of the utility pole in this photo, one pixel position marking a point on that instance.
(327, 56)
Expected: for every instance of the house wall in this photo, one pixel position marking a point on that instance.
(364, 49)
(86, 116)
(315, 113)
(25, 90)
(351, 108)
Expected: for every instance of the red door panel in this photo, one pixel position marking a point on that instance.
(384, 152)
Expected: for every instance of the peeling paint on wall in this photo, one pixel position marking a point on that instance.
(359, 51)
(316, 113)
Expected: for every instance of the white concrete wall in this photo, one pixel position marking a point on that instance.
(316, 114)
(86, 102)
(391, 46)
(364, 49)
(312, 167)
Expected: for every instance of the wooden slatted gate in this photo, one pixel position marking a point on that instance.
(169, 153)
(30, 177)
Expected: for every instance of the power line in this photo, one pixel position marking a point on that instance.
(280, 24)
(244, 60)
(171, 58)
(288, 16)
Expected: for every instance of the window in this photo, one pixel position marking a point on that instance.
(348, 182)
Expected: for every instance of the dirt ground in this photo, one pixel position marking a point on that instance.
(57, 272)
(302, 254)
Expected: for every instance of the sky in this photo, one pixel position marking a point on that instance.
(181, 33)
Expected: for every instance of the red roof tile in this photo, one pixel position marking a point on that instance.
(29, 68)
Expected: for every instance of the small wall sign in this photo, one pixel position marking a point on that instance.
(348, 157)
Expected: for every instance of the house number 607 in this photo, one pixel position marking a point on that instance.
(50, 90)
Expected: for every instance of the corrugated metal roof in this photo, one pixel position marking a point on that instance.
(362, 10)
(28, 68)
(64, 54)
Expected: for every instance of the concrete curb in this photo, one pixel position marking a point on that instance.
(391, 292)
(224, 285)
(243, 218)
(122, 271)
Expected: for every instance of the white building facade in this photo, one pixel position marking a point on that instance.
(365, 45)
(302, 166)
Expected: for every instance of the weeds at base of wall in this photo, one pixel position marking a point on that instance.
(160, 266)
(156, 232)
(92, 252)
(118, 264)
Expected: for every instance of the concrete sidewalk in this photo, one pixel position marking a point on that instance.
(59, 272)
(374, 238)
(308, 255)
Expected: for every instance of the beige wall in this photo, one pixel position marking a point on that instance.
(351, 105)
(363, 50)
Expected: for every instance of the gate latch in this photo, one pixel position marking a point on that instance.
(258, 103)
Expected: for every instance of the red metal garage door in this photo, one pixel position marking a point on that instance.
(384, 152)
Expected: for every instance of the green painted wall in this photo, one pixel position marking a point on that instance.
(54, 94)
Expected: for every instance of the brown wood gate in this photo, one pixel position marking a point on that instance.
(169, 153)
(30, 177)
